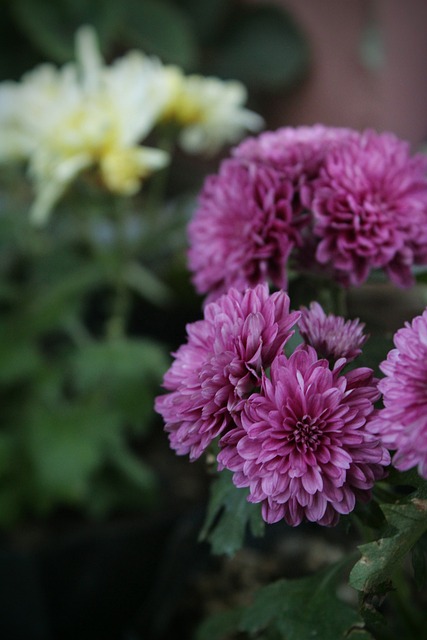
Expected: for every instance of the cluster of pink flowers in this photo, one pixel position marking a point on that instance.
(292, 429)
(301, 431)
(334, 201)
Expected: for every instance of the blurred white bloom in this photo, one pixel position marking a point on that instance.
(209, 110)
(63, 121)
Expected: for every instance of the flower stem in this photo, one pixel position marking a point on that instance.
(158, 181)
(339, 301)
(117, 323)
(403, 604)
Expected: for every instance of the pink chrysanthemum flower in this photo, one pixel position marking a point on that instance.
(332, 336)
(402, 424)
(301, 445)
(370, 209)
(243, 230)
(252, 214)
(297, 152)
(221, 363)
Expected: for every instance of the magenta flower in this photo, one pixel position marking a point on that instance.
(253, 213)
(332, 336)
(370, 209)
(243, 230)
(221, 363)
(301, 444)
(402, 424)
(296, 152)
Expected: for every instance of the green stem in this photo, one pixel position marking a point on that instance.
(117, 323)
(339, 301)
(403, 604)
(157, 186)
(366, 533)
(330, 296)
(78, 332)
(116, 326)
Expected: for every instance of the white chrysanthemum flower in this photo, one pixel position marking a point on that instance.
(209, 110)
(84, 115)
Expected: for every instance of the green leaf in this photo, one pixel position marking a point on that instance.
(122, 374)
(111, 489)
(10, 504)
(419, 564)
(161, 28)
(374, 351)
(421, 275)
(16, 53)
(228, 516)
(263, 49)
(51, 26)
(294, 341)
(359, 634)
(409, 480)
(147, 284)
(66, 443)
(19, 357)
(124, 359)
(407, 521)
(60, 298)
(369, 610)
(220, 625)
(293, 609)
(206, 17)
(6, 449)
(135, 470)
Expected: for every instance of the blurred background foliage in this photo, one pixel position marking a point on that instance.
(229, 39)
(92, 305)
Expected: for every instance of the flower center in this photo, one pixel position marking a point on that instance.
(307, 433)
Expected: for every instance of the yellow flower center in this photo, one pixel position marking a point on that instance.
(122, 170)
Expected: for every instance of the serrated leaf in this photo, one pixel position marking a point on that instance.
(229, 516)
(294, 609)
(407, 521)
(263, 49)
